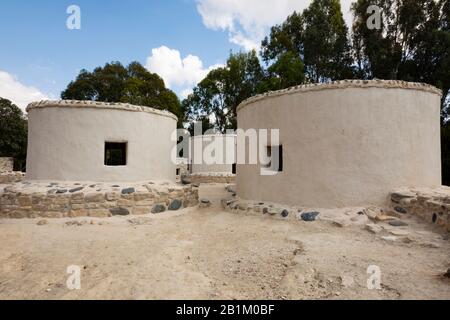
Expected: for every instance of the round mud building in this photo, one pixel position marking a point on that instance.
(212, 158)
(213, 154)
(346, 143)
(95, 141)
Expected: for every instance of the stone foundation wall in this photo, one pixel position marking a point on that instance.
(6, 165)
(19, 201)
(342, 217)
(432, 205)
(212, 178)
(10, 177)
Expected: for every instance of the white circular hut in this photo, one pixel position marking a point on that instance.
(95, 141)
(347, 143)
(213, 154)
(212, 158)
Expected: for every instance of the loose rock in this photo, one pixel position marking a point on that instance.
(42, 222)
(76, 189)
(401, 210)
(384, 217)
(285, 213)
(398, 223)
(447, 275)
(128, 191)
(374, 228)
(158, 208)
(309, 216)
(399, 233)
(119, 211)
(204, 203)
(175, 205)
(185, 180)
(389, 238)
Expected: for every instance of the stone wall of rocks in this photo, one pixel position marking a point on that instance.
(18, 201)
(339, 217)
(6, 165)
(432, 205)
(212, 178)
(11, 177)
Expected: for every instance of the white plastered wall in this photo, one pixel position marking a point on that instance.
(67, 143)
(345, 145)
(212, 154)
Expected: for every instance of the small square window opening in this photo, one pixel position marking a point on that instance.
(115, 154)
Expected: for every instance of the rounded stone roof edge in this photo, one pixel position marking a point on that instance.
(343, 84)
(98, 105)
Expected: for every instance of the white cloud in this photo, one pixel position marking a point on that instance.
(19, 94)
(183, 73)
(185, 93)
(249, 21)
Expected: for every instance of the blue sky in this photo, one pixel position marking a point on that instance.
(179, 39)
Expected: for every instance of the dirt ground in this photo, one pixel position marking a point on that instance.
(212, 254)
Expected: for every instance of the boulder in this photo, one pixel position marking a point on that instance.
(401, 210)
(128, 191)
(285, 213)
(158, 208)
(384, 217)
(204, 203)
(309, 216)
(398, 223)
(447, 275)
(185, 180)
(175, 204)
(119, 211)
(76, 189)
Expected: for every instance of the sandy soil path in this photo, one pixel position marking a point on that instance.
(212, 254)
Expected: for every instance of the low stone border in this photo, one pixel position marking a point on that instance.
(211, 178)
(432, 205)
(10, 177)
(343, 217)
(22, 200)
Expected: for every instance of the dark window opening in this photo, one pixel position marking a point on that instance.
(233, 170)
(275, 153)
(178, 172)
(115, 154)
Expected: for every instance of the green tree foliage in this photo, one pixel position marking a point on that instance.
(327, 53)
(223, 89)
(132, 84)
(13, 133)
(287, 71)
(413, 43)
(318, 37)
